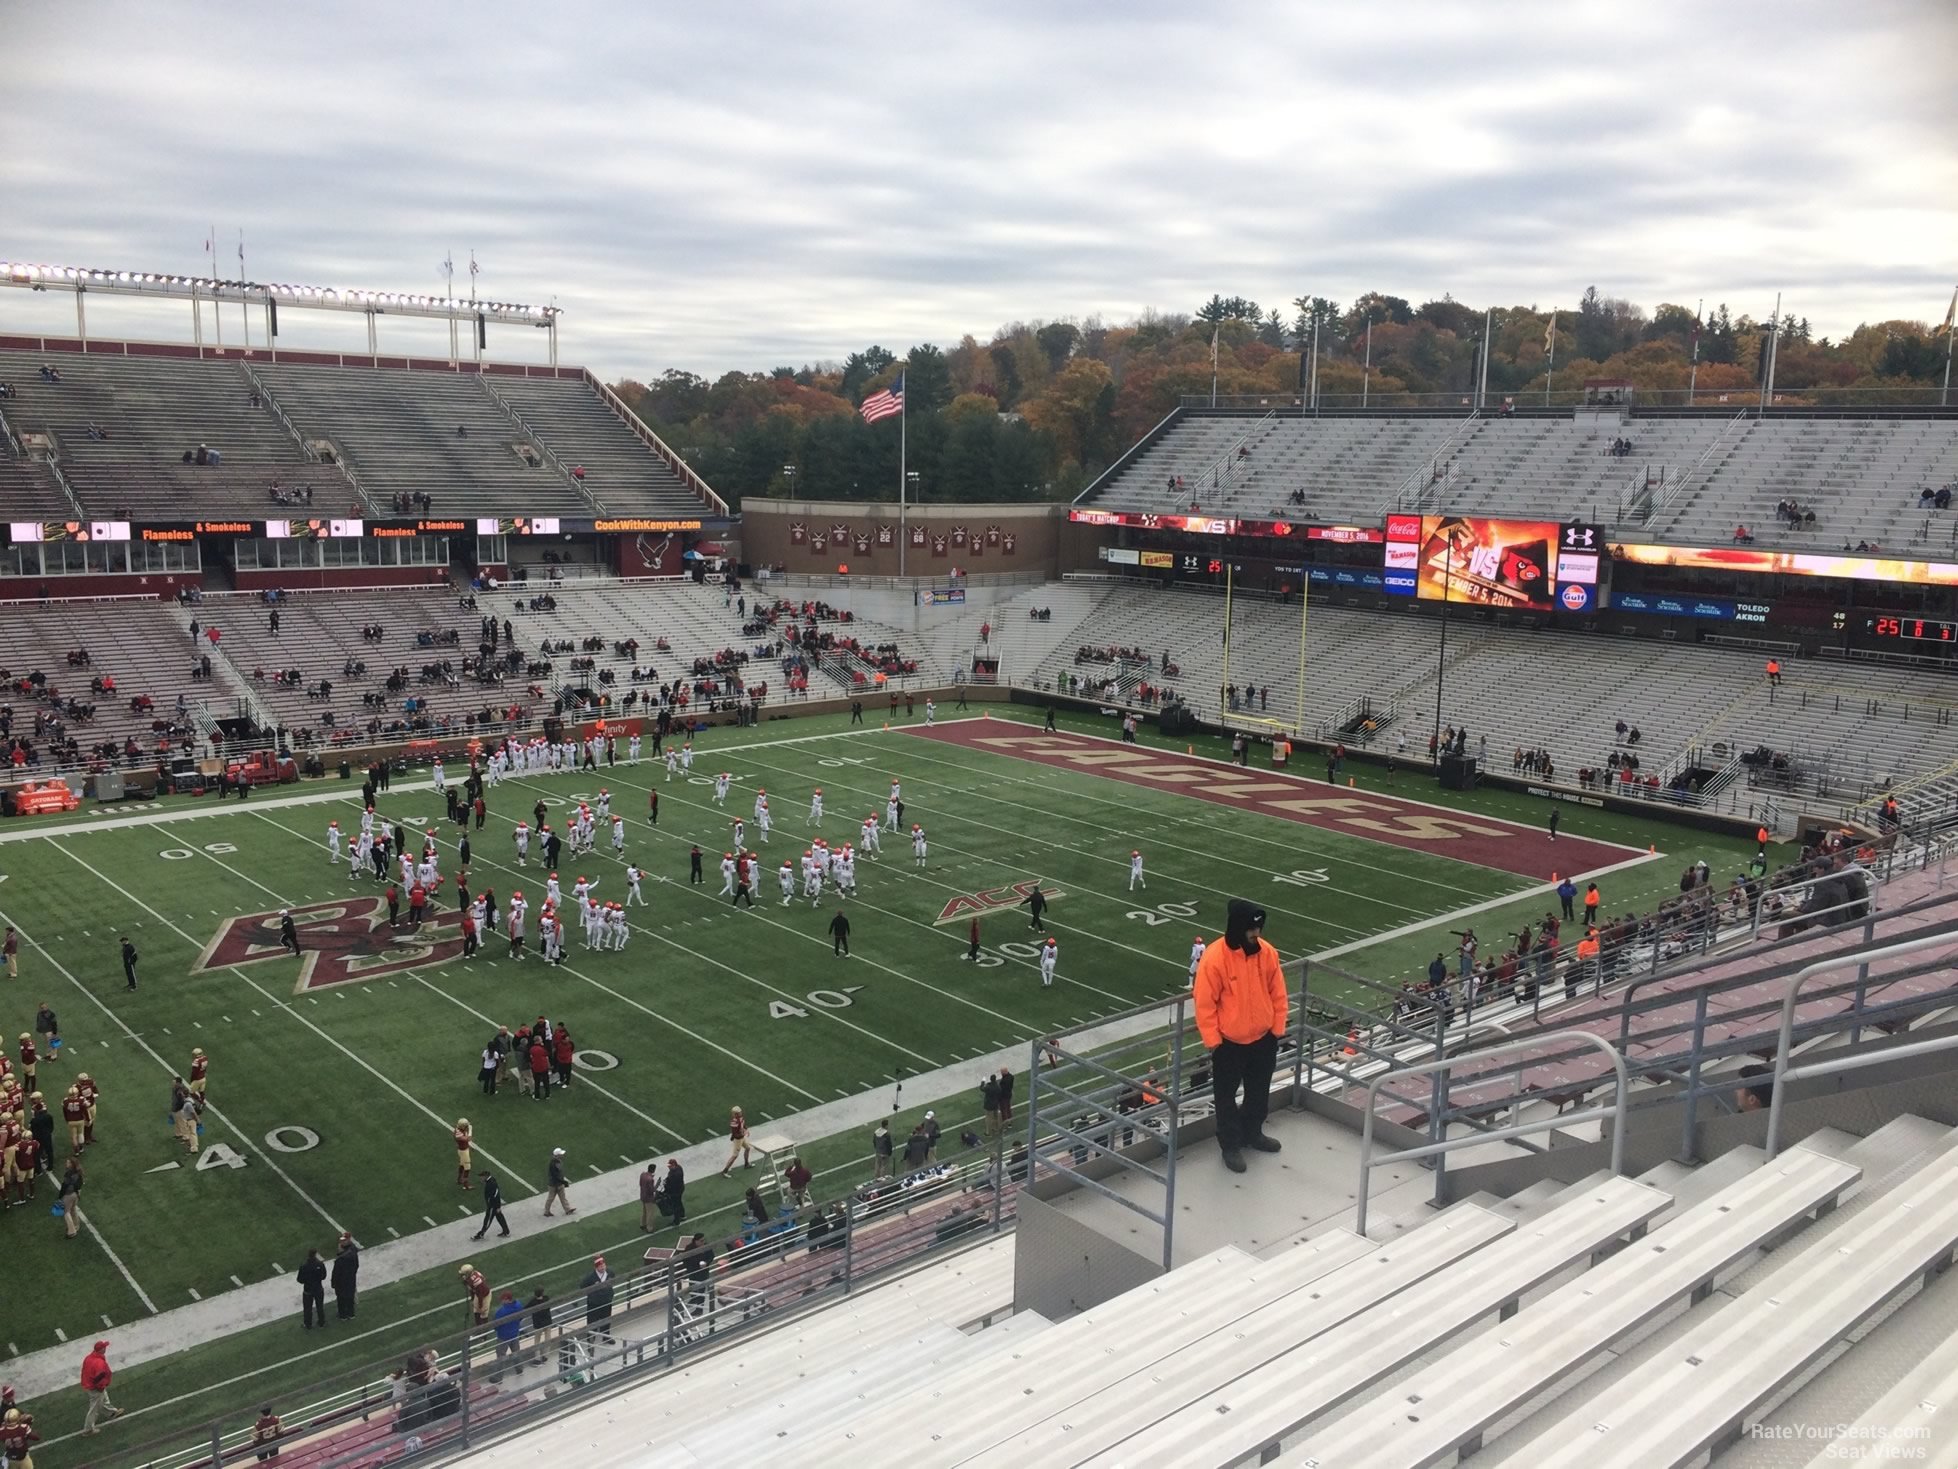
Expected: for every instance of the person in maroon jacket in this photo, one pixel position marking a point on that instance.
(972, 952)
(540, 1069)
(561, 1055)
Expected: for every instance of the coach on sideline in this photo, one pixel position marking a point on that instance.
(1241, 1010)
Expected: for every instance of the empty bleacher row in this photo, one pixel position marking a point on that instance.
(29, 491)
(1615, 1321)
(1518, 687)
(1685, 479)
(395, 430)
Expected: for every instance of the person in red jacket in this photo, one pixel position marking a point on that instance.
(1241, 1010)
(95, 1382)
(540, 1068)
(972, 949)
(561, 1054)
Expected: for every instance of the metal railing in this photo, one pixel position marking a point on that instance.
(1433, 469)
(549, 455)
(1440, 1150)
(1874, 1056)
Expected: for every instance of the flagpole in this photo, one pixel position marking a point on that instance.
(1950, 334)
(1550, 373)
(244, 303)
(903, 428)
(1366, 376)
(1693, 378)
(1305, 600)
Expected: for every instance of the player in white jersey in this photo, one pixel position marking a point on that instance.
(440, 778)
(550, 933)
(618, 836)
(594, 918)
(632, 750)
(766, 820)
(787, 876)
(918, 844)
(1050, 955)
(872, 842)
(367, 821)
(616, 928)
(582, 891)
(890, 814)
(604, 803)
(727, 875)
(514, 912)
(720, 789)
(761, 800)
(1135, 871)
(846, 873)
(1196, 955)
(633, 877)
(425, 874)
(407, 870)
(553, 895)
(686, 756)
(359, 855)
(333, 841)
(897, 792)
(812, 877)
(816, 807)
(672, 764)
(740, 835)
(931, 711)
(522, 835)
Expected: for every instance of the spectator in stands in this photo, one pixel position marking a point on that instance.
(578, 473)
(462, 430)
(1742, 535)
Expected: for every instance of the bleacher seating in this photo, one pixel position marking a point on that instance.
(1702, 474)
(138, 643)
(1712, 696)
(320, 631)
(621, 473)
(29, 492)
(398, 432)
(153, 409)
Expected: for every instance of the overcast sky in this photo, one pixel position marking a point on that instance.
(744, 185)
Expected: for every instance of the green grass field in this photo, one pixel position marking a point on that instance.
(332, 1109)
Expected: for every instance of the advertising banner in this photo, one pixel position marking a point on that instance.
(1513, 564)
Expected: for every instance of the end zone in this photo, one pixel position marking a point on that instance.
(1395, 821)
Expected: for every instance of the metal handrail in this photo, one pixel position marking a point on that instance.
(1783, 1072)
(1616, 1111)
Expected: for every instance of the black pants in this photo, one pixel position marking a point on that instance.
(540, 1084)
(741, 895)
(1567, 908)
(312, 1301)
(856, 714)
(129, 973)
(972, 952)
(1250, 1066)
(488, 1079)
(696, 869)
(563, 1070)
(493, 1215)
(343, 1303)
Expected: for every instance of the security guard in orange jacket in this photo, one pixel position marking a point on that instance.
(1241, 1009)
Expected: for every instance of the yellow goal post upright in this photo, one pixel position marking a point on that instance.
(1260, 723)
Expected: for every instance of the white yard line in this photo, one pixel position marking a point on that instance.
(281, 1004)
(626, 999)
(168, 1069)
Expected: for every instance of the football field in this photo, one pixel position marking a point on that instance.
(336, 1077)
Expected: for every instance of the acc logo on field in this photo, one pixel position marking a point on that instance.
(1575, 596)
(972, 905)
(340, 943)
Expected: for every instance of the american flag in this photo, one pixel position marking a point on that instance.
(884, 404)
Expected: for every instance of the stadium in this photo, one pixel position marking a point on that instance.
(1554, 764)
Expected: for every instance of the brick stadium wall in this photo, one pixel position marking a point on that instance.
(768, 537)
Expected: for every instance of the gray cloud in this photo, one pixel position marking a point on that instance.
(724, 187)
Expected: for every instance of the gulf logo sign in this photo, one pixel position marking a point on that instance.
(1575, 596)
